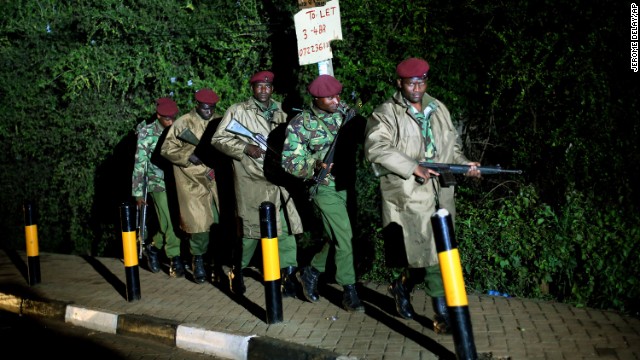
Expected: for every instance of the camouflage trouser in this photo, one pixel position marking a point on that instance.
(332, 207)
(287, 247)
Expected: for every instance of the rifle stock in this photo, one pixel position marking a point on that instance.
(189, 137)
(237, 128)
(446, 171)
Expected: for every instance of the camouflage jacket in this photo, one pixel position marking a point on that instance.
(148, 135)
(308, 138)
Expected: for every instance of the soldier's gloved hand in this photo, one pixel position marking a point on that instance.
(254, 151)
(195, 160)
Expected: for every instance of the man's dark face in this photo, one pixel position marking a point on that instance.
(328, 104)
(262, 91)
(166, 121)
(205, 110)
(413, 88)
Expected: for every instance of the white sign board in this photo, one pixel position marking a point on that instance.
(315, 29)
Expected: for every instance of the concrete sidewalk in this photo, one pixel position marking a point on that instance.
(207, 318)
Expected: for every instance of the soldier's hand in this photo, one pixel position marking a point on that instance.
(195, 160)
(473, 170)
(253, 151)
(140, 202)
(422, 174)
(319, 165)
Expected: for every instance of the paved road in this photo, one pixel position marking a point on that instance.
(193, 314)
(45, 338)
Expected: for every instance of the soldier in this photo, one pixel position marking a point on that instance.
(308, 138)
(195, 182)
(410, 127)
(259, 114)
(148, 135)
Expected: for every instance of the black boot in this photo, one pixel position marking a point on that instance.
(199, 273)
(441, 320)
(308, 277)
(236, 281)
(350, 299)
(401, 294)
(217, 273)
(152, 258)
(288, 281)
(177, 267)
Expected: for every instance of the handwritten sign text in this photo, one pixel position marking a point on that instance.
(315, 29)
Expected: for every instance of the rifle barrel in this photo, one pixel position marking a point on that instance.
(462, 169)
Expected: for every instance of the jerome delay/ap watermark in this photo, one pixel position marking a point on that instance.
(634, 37)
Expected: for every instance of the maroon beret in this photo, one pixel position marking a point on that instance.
(325, 86)
(413, 67)
(262, 76)
(166, 107)
(207, 96)
(162, 99)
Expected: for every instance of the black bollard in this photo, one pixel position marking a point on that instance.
(271, 262)
(456, 295)
(31, 236)
(130, 252)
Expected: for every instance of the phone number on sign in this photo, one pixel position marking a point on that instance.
(308, 50)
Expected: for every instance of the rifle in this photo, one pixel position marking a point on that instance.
(190, 138)
(142, 219)
(237, 128)
(446, 171)
(328, 158)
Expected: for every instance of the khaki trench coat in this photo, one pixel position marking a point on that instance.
(196, 193)
(394, 140)
(251, 186)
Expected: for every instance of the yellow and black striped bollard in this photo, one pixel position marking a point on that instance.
(130, 252)
(455, 292)
(31, 236)
(271, 262)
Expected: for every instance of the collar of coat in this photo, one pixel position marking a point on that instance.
(427, 101)
(266, 113)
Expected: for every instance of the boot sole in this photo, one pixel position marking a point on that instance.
(359, 309)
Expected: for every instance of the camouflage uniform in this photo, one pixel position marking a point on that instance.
(308, 138)
(148, 135)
